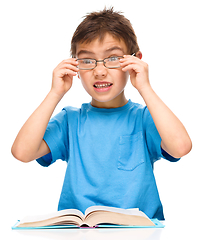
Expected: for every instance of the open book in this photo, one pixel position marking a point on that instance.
(95, 216)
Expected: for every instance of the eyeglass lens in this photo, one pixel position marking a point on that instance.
(112, 62)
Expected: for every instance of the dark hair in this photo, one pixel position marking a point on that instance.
(97, 24)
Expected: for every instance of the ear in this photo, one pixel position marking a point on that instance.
(139, 54)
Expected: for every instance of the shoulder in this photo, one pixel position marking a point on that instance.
(70, 109)
(69, 112)
(141, 109)
(138, 109)
(74, 112)
(140, 114)
(64, 114)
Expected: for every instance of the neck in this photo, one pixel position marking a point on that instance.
(119, 101)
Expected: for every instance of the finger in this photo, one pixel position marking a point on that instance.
(127, 61)
(132, 55)
(66, 72)
(69, 66)
(70, 72)
(134, 67)
(71, 61)
(125, 57)
(133, 61)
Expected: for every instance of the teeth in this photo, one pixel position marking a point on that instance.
(103, 85)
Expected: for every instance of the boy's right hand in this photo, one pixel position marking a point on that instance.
(63, 76)
(29, 143)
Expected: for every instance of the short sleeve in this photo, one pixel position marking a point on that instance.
(56, 137)
(153, 139)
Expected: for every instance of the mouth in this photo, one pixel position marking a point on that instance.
(102, 85)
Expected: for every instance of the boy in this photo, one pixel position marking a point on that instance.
(110, 144)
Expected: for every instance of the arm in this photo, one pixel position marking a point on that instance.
(29, 143)
(175, 139)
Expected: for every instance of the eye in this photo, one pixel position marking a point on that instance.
(113, 59)
(87, 61)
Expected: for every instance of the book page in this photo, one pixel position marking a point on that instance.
(131, 211)
(52, 215)
(108, 217)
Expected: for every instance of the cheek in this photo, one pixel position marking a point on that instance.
(83, 76)
(124, 76)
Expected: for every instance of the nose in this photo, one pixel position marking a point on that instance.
(100, 71)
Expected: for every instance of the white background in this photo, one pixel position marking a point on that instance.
(35, 37)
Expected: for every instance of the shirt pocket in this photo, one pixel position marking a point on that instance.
(131, 151)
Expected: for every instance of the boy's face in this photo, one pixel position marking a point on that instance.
(105, 86)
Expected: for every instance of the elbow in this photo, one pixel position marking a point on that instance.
(19, 155)
(187, 147)
(183, 148)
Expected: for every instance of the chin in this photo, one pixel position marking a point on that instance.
(104, 98)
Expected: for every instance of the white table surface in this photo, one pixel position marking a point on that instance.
(171, 231)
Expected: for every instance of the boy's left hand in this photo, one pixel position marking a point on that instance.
(138, 71)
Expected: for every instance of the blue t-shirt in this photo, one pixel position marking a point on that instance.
(110, 155)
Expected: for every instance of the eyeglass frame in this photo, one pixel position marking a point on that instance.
(100, 61)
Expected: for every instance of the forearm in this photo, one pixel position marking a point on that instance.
(28, 142)
(175, 139)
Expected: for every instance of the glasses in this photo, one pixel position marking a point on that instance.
(89, 63)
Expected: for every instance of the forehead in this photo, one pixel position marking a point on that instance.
(101, 46)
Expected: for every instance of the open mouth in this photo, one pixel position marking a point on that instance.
(103, 85)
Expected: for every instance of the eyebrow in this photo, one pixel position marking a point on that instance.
(106, 51)
(114, 48)
(84, 51)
